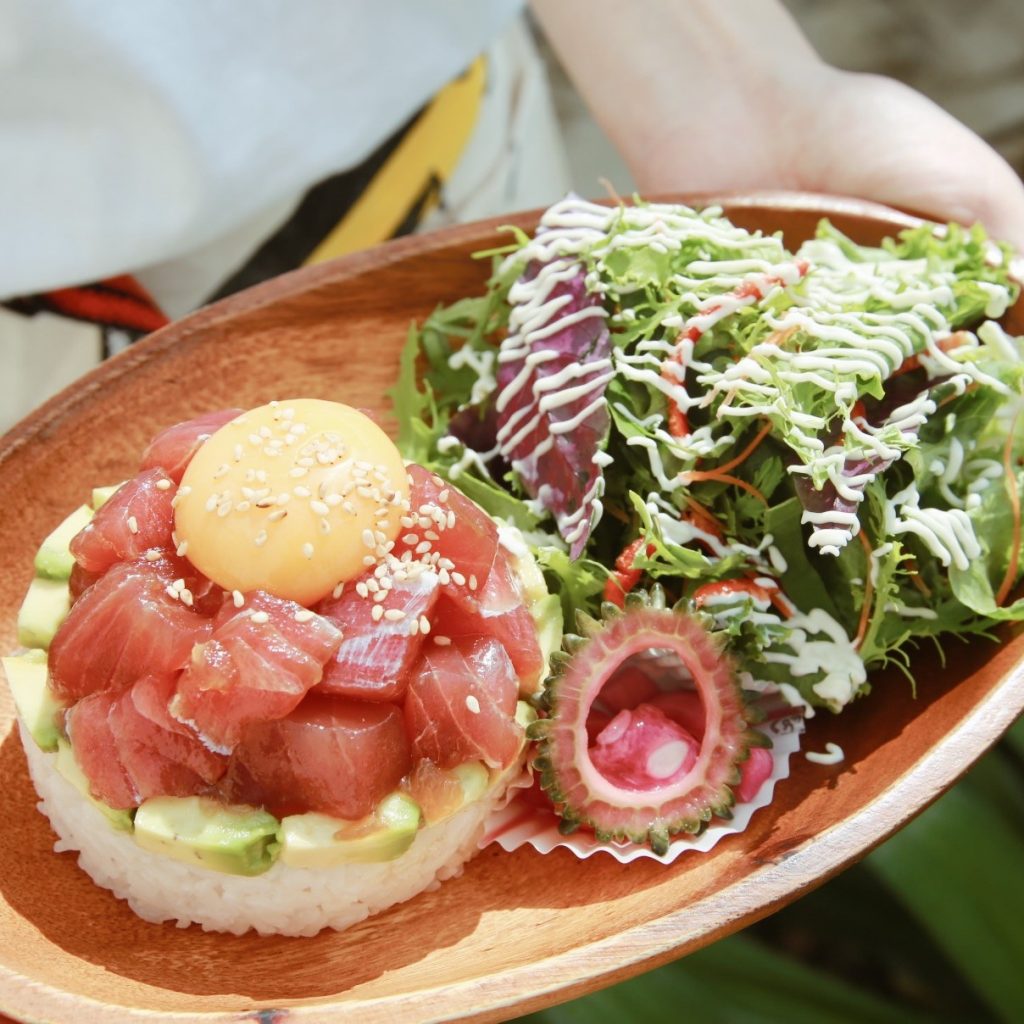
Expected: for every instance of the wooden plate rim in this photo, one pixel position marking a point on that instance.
(592, 965)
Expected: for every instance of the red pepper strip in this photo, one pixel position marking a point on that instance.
(625, 577)
(721, 588)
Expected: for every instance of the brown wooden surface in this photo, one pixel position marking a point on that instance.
(515, 932)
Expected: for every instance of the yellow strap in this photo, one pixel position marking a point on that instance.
(431, 148)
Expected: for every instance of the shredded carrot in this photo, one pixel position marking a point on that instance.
(712, 474)
(702, 518)
(746, 453)
(1012, 493)
(869, 591)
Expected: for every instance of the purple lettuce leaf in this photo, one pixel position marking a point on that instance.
(551, 417)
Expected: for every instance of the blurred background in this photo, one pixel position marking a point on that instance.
(929, 927)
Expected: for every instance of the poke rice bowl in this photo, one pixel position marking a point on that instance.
(517, 930)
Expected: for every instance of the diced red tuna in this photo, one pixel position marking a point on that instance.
(642, 749)
(81, 580)
(92, 738)
(130, 748)
(172, 449)
(461, 703)
(497, 609)
(685, 708)
(136, 517)
(375, 655)
(161, 756)
(753, 773)
(125, 626)
(470, 544)
(629, 687)
(330, 754)
(260, 661)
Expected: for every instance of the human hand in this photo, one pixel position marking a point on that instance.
(723, 95)
(858, 135)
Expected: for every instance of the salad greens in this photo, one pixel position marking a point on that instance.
(818, 450)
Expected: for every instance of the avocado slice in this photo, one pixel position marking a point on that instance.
(232, 838)
(547, 617)
(45, 607)
(36, 704)
(101, 494)
(54, 560)
(319, 841)
(67, 764)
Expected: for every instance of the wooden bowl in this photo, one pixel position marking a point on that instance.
(517, 931)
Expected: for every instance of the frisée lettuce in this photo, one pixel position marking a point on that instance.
(819, 451)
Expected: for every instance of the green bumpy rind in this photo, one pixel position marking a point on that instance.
(581, 796)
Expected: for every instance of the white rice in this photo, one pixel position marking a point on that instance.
(284, 900)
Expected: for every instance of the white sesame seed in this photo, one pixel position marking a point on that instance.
(443, 496)
(260, 539)
(222, 470)
(410, 538)
(473, 704)
(171, 592)
(332, 500)
(349, 508)
(239, 452)
(325, 526)
(204, 437)
(224, 508)
(442, 641)
(362, 590)
(283, 498)
(163, 485)
(394, 615)
(242, 506)
(423, 547)
(307, 550)
(301, 492)
(380, 595)
(443, 578)
(277, 515)
(378, 613)
(450, 519)
(211, 502)
(237, 598)
(414, 627)
(260, 618)
(472, 583)
(182, 549)
(153, 555)
(407, 522)
(338, 591)
(424, 625)
(133, 524)
(255, 439)
(319, 507)
(369, 560)
(265, 431)
(458, 579)
(369, 540)
(446, 563)
(297, 471)
(186, 597)
(303, 615)
(431, 535)
(270, 452)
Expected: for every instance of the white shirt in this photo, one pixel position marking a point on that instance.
(132, 131)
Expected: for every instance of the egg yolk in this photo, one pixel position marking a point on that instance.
(293, 498)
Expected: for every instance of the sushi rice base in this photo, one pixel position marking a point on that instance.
(284, 900)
